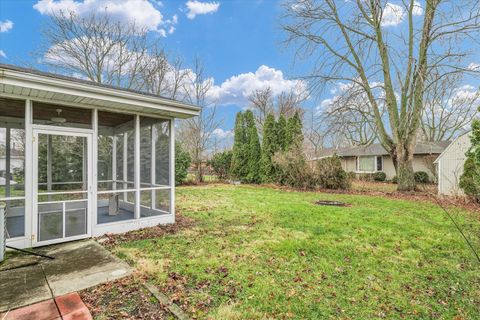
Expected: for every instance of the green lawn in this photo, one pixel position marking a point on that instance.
(262, 253)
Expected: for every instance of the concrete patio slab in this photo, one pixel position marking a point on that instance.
(22, 286)
(77, 265)
(80, 265)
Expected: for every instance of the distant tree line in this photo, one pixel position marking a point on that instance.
(279, 158)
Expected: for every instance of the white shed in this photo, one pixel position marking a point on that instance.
(450, 166)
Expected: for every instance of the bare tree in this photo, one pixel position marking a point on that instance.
(162, 77)
(290, 102)
(287, 103)
(349, 115)
(100, 49)
(261, 103)
(449, 108)
(96, 48)
(351, 42)
(314, 133)
(196, 134)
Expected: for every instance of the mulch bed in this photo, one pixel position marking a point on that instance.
(123, 299)
(181, 222)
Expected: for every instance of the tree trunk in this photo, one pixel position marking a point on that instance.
(199, 173)
(403, 161)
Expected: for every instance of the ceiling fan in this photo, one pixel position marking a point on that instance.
(58, 119)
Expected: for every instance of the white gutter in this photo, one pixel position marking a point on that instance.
(64, 86)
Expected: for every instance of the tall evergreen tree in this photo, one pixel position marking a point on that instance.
(294, 133)
(239, 159)
(253, 151)
(269, 147)
(470, 179)
(281, 133)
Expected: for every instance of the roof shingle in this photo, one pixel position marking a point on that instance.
(377, 149)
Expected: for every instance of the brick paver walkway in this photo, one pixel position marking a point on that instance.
(66, 307)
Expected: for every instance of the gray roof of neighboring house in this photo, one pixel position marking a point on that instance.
(377, 149)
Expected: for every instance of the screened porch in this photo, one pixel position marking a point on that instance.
(93, 171)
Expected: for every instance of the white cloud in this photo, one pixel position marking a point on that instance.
(222, 134)
(464, 94)
(6, 25)
(141, 12)
(3, 54)
(417, 9)
(394, 14)
(196, 7)
(474, 66)
(237, 89)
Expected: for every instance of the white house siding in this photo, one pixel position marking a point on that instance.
(450, 166)
(349, 164)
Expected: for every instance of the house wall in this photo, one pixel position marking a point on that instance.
(349, 164)
(450, 166)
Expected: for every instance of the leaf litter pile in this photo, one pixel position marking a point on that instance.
(181, 222)
(126, 299)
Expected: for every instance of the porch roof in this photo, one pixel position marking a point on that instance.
(18, 82)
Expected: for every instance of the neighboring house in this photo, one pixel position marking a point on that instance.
(97, 159)
(450, 166)
(374, 158)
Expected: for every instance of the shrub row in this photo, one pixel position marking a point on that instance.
(326, 173)
(420, 177)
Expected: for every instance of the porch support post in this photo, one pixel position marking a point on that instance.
(8, 141)
(153, 166)
(85, 164)
(94, 174)
(28, 168)
(172, 166)
(49, 165)
(125, 162)
(114, 162)
(137, 166)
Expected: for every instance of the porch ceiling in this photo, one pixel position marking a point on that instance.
(20, 83)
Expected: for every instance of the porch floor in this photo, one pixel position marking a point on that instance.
(77, 265)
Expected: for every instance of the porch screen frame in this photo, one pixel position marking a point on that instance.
(8, 197)
(137, 189)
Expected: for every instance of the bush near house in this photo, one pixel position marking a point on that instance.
(395, 179)
(221, 163)
(331, 175)
(379, 176)
(421, 177)
(182, 163)
(470, 179)
(294, 170)
(351, 175)
(365, 177)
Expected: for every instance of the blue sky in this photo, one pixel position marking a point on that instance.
(238, 41)
(236, 38)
